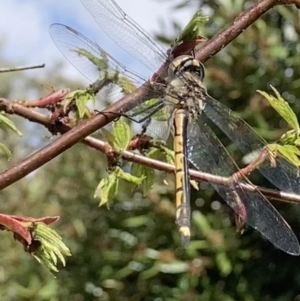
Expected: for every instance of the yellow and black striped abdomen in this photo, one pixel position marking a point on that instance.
(182, 185)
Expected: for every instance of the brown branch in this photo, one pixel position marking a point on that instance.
(289, 2)
(16, 108)
(237, 26)
(128, 102)
(20, 110)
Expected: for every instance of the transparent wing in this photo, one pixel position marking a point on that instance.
(87, 56)
(95, 63)
(126, 33)
(282, 174)
(207, 154)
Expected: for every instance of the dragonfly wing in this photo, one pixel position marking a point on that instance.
(94, 63)
(283, 175)
(126, 33)
(87, 56)
(159, 129)
(207, 154)
(158, 119)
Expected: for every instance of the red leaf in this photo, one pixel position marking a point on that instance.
(11, 224)
(46, 219)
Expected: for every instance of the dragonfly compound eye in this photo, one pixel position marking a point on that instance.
(186, 63)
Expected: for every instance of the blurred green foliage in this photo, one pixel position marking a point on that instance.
(131, 250)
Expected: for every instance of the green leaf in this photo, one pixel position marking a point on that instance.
(8, 123)
(170, 155)
(100, 62)
(288, 138)
(126, 85)
(106, 75)
(282, 108)
(193, 29)
(223, 263)
(151, 272)
(136, 221)
(47, 246)
(122, 134)
(201, 222)
(146, 172)
(109, 136)
(80, 98)
(158, 148)
(107, 188)
(297, 142)
(291, 153)
(190, 36)
(129, 177)
(5, 150)
(174, 267)
(155, 153)
(81, 104)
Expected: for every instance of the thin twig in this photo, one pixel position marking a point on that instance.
(3, 70)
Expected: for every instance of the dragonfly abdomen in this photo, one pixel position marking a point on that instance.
(181, 120)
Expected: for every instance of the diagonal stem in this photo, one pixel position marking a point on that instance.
(234, 29)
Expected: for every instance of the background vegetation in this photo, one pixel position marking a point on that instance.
(132, 250)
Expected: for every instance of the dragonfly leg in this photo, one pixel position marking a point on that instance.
(145, 120)
(150, 110)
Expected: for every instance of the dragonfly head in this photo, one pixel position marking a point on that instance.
(183, 64)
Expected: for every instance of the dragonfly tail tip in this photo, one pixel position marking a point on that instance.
(185, 235)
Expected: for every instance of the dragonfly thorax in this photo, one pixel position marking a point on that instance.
(185, 89)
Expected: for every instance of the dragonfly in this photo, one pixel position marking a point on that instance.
(187, 106)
